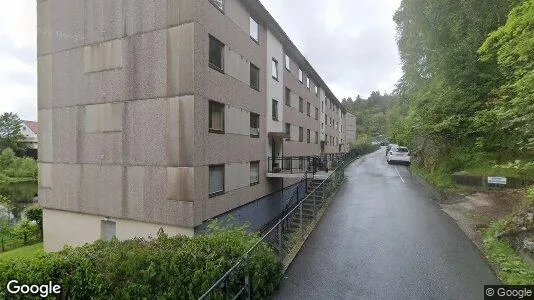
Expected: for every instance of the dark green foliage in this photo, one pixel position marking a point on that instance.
(164, 268)
(370, 113)
(10, 133)
(35, 213)
(18, 180)
(445, 106)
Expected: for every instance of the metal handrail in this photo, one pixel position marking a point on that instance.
(264, 237)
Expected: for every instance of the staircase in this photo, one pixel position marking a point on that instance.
(292, 225)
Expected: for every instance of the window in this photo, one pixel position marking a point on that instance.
(216, 180)
(341, 128)
(254, 30)
(300, 75)
(254, 172)
(316, 91)
(108, 230)
(322, 106)
(216, 54)
(317, 137)
(322, 126)
(288, 63)
(308, 82)
(301, 104)
(275, 110)
(219, 4)
(287, 128)
(254, 77)
(274, 68)
(301, 133)
(254, 125)
(216, 117)
(316, 113)
(308, 108)
(288, 97)
(308, 136)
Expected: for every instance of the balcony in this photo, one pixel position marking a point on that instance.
(295, 166)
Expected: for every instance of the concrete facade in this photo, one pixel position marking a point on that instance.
(350, 128)
(124, 89)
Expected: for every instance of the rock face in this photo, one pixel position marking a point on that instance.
(528, 244)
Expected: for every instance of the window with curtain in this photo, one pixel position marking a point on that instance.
(254, 172)
(216, 180)
(216, 117)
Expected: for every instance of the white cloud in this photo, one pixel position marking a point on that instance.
(18, 66)
(350, 43)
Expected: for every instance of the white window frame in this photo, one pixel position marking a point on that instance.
(219, 192)
(257, 31)
(288, 63)
(254, 176)
(274, 68)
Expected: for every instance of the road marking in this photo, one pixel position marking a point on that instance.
(399, 174)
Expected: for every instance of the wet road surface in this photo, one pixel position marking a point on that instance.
(384, 238)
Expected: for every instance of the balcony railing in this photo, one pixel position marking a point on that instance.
(301, 164)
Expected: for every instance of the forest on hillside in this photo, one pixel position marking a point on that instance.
(466, 97)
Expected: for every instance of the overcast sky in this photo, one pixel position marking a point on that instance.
(350, 43)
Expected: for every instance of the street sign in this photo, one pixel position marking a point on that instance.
(497, 180)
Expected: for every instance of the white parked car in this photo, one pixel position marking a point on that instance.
(398, 154)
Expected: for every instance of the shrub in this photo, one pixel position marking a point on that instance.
(35, 213)
(164, 268)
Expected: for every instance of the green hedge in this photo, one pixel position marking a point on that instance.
(163, 268)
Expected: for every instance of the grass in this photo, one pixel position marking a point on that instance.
(510, 268)
(519, 170)
(438, 178)
(25, 251)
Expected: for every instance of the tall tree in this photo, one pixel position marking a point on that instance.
(444, 84)
(10, 133)
(512, 106)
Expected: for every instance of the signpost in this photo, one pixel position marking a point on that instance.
(497, 180)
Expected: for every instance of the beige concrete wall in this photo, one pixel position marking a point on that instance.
(62, 228)
(236, 120)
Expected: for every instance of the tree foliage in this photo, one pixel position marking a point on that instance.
(18, 180)
(511, 110)
(10, 133)
(444, 109)
(370, 113)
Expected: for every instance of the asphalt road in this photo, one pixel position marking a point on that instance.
(384, 238)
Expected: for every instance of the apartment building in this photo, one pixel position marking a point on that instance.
(168, 113)
(350, 128)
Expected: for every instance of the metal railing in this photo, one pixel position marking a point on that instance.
(300, 164)
(284, 237)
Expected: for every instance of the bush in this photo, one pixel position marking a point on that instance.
(164, 268)
(362, 146)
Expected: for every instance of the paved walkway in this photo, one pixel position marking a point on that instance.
(384, 238)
